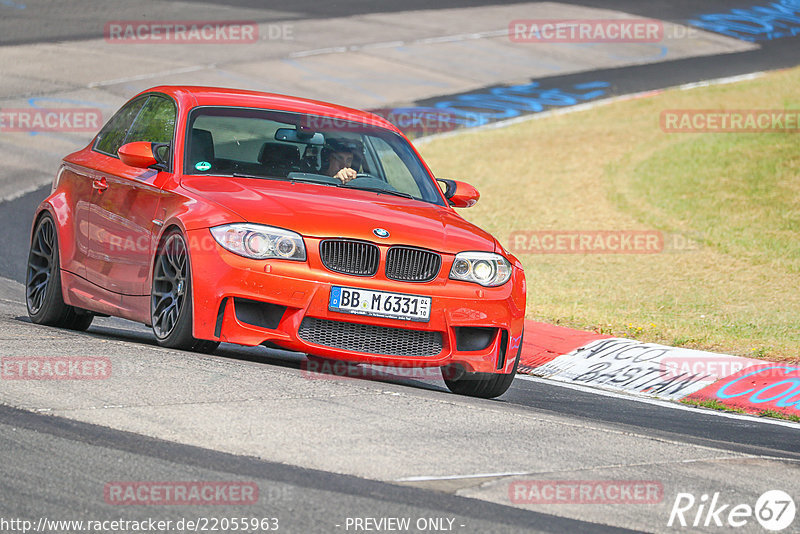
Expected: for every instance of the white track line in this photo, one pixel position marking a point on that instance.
(396, 44)
(664, 404)
(180, 70)
(459, 477)
(22, 192)
(734, 456)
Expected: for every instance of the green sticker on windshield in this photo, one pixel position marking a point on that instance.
(202, 165)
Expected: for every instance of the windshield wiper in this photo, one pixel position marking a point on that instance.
(387, 191)
(322, 180)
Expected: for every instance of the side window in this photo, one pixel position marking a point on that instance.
(397, 173)
(156, 122)
(113, 134)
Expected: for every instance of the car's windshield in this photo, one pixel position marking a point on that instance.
(257, 143)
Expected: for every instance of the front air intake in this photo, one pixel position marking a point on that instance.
(350, 257)
(408, 264)
(370, 339)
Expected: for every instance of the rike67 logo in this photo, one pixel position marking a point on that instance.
(774, 510)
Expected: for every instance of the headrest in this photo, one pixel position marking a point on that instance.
(278, 154)
(202, 146)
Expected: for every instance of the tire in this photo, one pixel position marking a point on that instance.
(483, 385)
(171, 297)
(43, 295)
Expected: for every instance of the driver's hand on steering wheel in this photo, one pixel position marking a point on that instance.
(346, 174)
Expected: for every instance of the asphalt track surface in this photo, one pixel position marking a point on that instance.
(771, 55)
(79, 455)
(44, 21)
(315, 500)
(41, 21)
(54, 466)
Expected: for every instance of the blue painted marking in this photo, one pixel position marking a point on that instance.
(36, 100)
(757, 23)
(14, 5)
(500, 103)
(786, 397)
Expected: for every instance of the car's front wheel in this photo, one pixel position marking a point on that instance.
(171, 297)
(484, 385)
(43, 282)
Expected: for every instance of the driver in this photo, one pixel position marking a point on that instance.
(340, 157)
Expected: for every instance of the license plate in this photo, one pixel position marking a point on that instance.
(380, 304)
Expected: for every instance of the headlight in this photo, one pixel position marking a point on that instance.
(260, 242)
(484, 268)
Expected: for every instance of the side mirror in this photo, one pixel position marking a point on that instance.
(144, 155)
(460, 194)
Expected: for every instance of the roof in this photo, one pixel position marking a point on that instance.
(192, 96)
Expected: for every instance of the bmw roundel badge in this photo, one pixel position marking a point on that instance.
(380, 232)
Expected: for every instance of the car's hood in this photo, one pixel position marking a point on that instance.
(324, 211)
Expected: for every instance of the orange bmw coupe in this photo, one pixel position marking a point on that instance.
(218, 215)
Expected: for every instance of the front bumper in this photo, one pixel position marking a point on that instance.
(285, 303)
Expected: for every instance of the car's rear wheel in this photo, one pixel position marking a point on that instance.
(43, 282)
(484, 385)
(171, 297)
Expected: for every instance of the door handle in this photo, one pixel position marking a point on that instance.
(100, 184)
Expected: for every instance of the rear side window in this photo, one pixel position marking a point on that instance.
(146, 119)
(113, 134)
(155, 123)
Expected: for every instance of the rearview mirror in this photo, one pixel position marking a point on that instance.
(460, 194)
(299, 136)
(144, 155)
